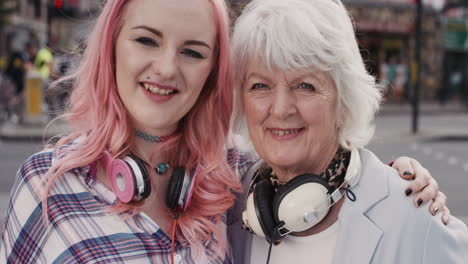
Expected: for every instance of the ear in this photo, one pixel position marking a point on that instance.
(340, 117)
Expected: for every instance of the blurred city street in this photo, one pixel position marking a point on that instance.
(417, 50)
(441, 146)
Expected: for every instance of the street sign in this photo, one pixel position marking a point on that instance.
(455, 34)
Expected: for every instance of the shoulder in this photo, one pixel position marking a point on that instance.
(27, 236)
(414, 231)
(23, 223)
(381, 186)
(33, 170)
(380, 196)
(32, 184)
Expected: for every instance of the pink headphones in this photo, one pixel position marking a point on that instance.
(131, 183)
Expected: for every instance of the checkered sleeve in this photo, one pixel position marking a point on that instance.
(24, 229)
(241, 161)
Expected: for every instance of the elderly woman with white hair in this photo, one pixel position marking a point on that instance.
(309, 106)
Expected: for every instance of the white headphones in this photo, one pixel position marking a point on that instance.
(294, 207)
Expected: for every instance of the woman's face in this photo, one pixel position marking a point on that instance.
(291, 117)
(164, 54)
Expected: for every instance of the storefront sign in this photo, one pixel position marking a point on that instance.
(385, 19)
(456, 34)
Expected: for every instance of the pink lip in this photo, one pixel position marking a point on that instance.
(285, 137)
(159, 98)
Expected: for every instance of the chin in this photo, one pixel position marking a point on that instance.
(282, 161)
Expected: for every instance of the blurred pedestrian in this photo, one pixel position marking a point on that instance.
(19, 63)
(394, 78)
(44, 61)
(44, 64)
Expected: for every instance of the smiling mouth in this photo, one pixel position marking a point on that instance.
(158, 91)
(284, 132)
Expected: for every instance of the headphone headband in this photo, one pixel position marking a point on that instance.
(353, 173)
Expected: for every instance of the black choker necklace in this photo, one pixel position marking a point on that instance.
(151, 138)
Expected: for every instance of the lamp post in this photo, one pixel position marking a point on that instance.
(437, 5)
(417, 67)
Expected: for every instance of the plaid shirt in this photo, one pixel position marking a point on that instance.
(80, 228)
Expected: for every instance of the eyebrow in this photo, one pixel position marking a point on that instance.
(160, 34)
(150, 29)
(197, 42)
(256, 75)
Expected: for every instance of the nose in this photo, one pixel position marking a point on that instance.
(165, 64)
(284, 103)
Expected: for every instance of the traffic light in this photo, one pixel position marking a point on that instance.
(63, 8)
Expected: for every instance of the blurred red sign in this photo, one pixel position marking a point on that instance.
(58, 3)
(66, 3)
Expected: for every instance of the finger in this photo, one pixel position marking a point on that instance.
(439, 203)
(445, 215)
(427, 194)
(404, 167)
(422, 179)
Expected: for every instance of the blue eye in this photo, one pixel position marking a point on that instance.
(307, 86)
(258, 86)
(147, 42)
(192, 53)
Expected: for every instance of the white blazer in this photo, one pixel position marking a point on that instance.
(381, 226)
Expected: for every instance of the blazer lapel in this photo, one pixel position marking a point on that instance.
(353, 229)
(355, 225)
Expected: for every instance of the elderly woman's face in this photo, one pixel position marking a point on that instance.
(291, 117)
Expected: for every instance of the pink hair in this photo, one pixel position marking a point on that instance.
(96, 111)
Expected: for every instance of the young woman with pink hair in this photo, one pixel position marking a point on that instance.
(153, 90)
(150, 114)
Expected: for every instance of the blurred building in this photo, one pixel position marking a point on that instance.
(27, 23)
(385, 28)
(455, 56)
(71, 21)
(63, 23)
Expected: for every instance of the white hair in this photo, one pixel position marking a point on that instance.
(315, 35)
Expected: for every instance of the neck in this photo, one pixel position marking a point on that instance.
(317, 166)
(151, 151)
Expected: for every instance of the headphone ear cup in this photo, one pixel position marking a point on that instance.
(188, 190)
(263, 194)
(294, 190)
(145, 190)
(175, 188)
(122, 179)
